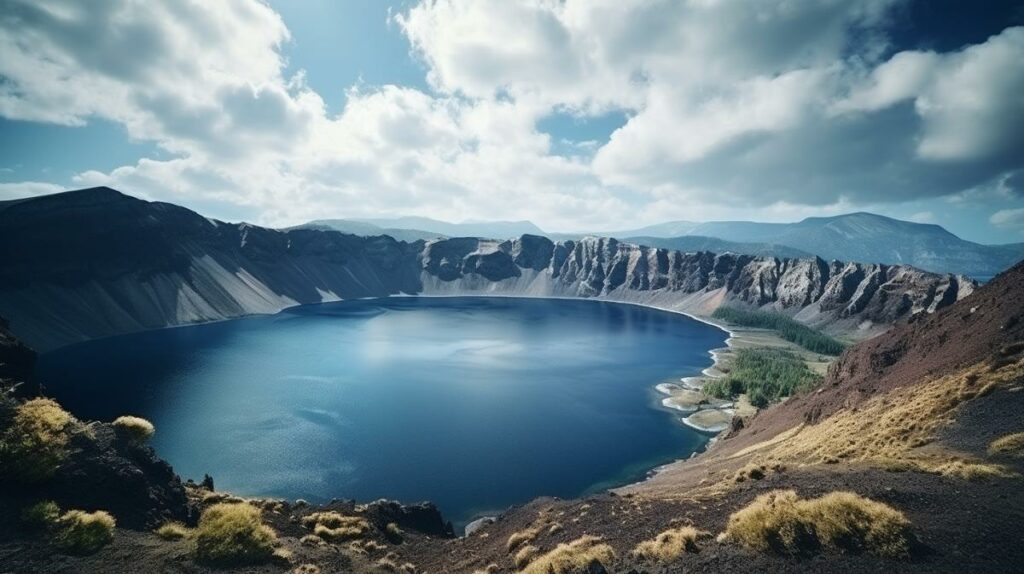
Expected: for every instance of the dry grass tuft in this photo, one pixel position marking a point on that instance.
(671, 544)
(35, 443)
(81, 532)
(783, 523)
(393, 533)
(233, 534)
(525, 555)
(522, 537)
(335, 527)
(311, 540)
(221, 498)
(1009, 445)
(489, 569)
(41, 515)
(389, 564)
(174, 531)
(576, 557)
(136, 429)
(968, 470)
(282, 555)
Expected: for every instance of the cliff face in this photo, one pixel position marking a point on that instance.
(836, 296)
(93, 263)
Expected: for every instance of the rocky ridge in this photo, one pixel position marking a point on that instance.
(91, 263)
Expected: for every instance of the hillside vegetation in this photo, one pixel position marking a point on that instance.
(765, 375)
(788, 329)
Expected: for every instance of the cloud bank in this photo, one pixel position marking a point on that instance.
(785, 104)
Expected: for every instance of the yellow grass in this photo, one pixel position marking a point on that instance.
(783, 523)
(335, 527)
(525, 554)
(81, 532)
(522, 537)
(233, 534)
(311, 540)
(135, 428)
(573, 558)
(394, 533)
(887, 430)
(41, 515)
(35, 443)
(670, 544)
(1009, 445)
(174, 531)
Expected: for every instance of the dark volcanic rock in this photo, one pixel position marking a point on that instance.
(126, 479)
(16, 358)
(423, 517)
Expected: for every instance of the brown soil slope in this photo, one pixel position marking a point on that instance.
(980, 328)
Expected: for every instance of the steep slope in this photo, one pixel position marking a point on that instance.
(92, 263)
(861, 237)
(96, 262)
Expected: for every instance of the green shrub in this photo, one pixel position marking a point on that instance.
(35, 443)
(786, 327)
(135, 428)
(765, 375)
(233, 534)
(41, 515)
(80, 532)
(783, 523)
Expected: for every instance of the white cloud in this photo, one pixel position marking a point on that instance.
(27, 189)
(1009, 218)
(783, 107)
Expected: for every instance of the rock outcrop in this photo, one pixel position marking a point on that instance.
(93, 263)
(16, 359)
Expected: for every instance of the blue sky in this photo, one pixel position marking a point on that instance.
(576, 115)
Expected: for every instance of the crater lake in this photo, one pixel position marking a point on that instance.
(473, 403)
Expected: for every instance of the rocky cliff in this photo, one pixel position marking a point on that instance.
(93, 263)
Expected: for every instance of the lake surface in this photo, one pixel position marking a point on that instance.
(473, 403)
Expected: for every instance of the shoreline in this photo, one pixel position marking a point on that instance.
(709, 371)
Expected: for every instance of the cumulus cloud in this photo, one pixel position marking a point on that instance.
(1009, 218)
(27, 189)
(799, 106)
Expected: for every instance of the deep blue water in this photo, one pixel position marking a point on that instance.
(473, 403)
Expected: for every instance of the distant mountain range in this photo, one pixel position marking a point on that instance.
(413, 228)
(857, 237)
(863, 237)
(91, 263)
